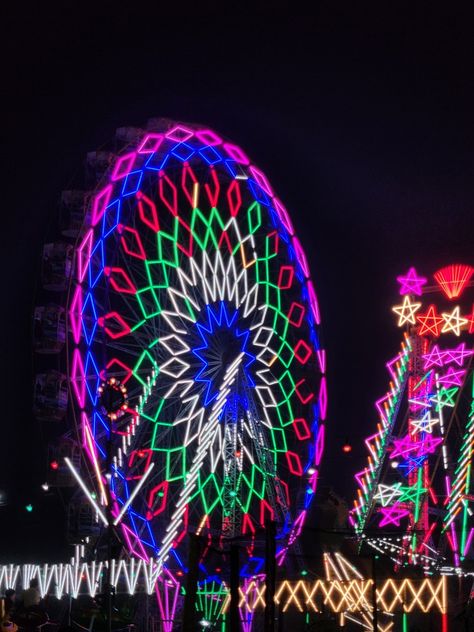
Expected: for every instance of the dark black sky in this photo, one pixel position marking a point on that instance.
(360, 114)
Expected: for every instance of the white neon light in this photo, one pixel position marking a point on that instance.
(133, 494)
(86, 491)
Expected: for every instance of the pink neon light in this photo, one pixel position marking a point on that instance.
(411, 283)
(406, 446)
(283, 215)
(131, 242)
(234, 197)
(167, 599)
(313, 300)
(468, 542)
(100, 203)
(433, 358)
(319, 445)
(75, 314)
(294, 463)
(120, 280)
(180, 134)
(150, 143)
(296, 314)
(300, 256)
(147, 211)
(392, 515)
(457, 355)
(208, 137)
(121, 327)
(321, 354)
(168, 193)
(123, 166)
(78, 378)
(323, 398)
(236, 154)
(452, 377)
(84, 254)
(261, 180)
(213, 194)
(132, 539)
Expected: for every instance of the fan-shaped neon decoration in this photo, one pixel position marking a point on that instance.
(192, 289)
(453, 279)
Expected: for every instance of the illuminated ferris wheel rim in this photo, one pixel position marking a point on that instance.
(211, 286)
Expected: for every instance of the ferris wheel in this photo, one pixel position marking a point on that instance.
(415, 496)
(196, 365)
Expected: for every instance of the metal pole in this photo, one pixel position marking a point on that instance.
(234, 588)
(270, 576)
(189, 610)
(374, 597)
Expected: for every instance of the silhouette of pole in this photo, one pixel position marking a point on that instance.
(234, 589)
(270, 576)
(189, 610)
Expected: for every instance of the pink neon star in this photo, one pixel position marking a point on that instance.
(406, 445)
(433, 358)
(457, 355)
(411, 283)
(452, 377)
(392, 515)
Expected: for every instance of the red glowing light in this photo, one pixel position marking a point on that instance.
(430, 322)
(54, 465)
(346, 448)
(453, 279)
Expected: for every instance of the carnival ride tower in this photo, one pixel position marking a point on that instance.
(415, 496)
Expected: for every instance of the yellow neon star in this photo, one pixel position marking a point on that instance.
(406, 311)
(453, 321)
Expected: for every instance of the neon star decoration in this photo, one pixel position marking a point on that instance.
(193, 291)
(406, 311)
(453, 321)
(411, 283)
(418, 478)
(430, 322)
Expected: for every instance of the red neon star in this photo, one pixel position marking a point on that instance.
(430, 322)
(411, 283)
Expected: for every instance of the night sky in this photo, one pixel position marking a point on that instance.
(361, 117)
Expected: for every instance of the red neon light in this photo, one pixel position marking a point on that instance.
(294, 463)
(213, 194)
(54, 465)
(188, 184)
(131, 242)
(168, 193)
(120, 280)
(470, 320)
(120, 329)
(453, 279)
(429, 322)
(296, 314)
(301, 429)
(302, 351)
(234, 197)
(147, 212)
